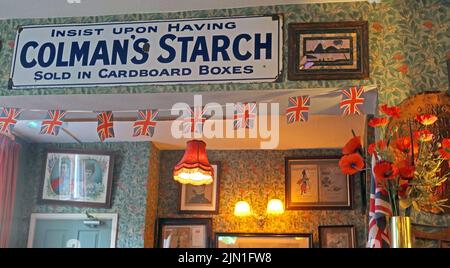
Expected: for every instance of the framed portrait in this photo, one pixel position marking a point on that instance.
(331, 50)
(202, 199)
(184, 233)
(316, 183)
(77, 177)
(263, 240)
(337, 236)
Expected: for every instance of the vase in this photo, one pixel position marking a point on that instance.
(401, 232)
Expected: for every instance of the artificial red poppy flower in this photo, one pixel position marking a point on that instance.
(404, 145)
(405, 169)
(385, 171)
(426, 119)
(445, 149)
(423, 135)
(351, 164)
(378, 122)
(402, 188)
(378, 146)
(393, 111)
(352, 145)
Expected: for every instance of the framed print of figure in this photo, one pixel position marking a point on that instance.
(316, 183)
(202, 199)
(77, 177)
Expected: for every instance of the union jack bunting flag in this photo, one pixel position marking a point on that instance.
(105, 125)
(8, 119)
(379, 213)
(194, 120)
(298, 109)
(244, 115)
(53, 122)
(145, 123)
(352, 100)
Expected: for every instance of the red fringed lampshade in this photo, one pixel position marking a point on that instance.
(194, 167)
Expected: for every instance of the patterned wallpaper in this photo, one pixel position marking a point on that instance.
(255, 172)
(152, 196)
(129, 189)
(409, 46)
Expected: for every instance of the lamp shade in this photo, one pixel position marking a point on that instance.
(242, 209)
(194, 168)
(275, 207)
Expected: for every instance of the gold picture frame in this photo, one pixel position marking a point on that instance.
(316, 183)
(263, 240)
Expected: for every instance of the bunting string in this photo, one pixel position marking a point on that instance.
(145, 122)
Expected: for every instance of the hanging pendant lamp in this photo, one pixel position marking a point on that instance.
(194, 167)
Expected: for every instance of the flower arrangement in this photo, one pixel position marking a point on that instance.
(407, 168)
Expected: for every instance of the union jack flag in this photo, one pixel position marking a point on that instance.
(194, 120)
(8, 119)
(379, 213)
(53, 122)
(298, 108)
(352, 98)
(145, 123)
(105, 126)
(244, 115)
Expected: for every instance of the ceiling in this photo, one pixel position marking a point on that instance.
(326, 128)
(10, 9)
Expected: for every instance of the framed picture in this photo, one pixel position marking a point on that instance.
(184, 233)
(202, 198)
(337, 236)
(332, 50)
(76, 177)
(316, 183)
(263, 240)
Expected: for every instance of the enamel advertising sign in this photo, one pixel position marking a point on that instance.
(190, 51)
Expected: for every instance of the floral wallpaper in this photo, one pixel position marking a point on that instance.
(152, 196)
(408, 45)
(256, 172)
(129, 189)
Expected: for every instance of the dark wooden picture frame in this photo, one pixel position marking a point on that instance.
(212, 207)
(265, 235)
(328, 51)
(350, 229)
(311, 171)
(93, 161)
(184, 223)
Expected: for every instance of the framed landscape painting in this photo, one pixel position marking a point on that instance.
(201, 199)
(77, 177)
(332, 50)
(316, 183)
